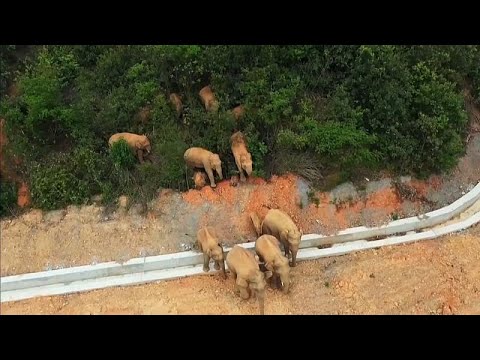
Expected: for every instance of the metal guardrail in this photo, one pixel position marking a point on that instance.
(171, 266)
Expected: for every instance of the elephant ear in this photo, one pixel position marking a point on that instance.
(284, 235)
(212, 230)
(138, 145)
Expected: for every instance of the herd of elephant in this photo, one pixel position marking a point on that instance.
(197, 158)
(250, 272)
(202, 161)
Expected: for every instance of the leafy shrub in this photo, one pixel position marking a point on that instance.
(69, 178)
(55, 186)
(122, 155)
(8, 197)
(314, 110)
(6, 52)
(168, 148)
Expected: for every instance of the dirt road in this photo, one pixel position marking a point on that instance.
(431, 277)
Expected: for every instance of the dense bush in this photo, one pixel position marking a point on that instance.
(8, 197)
(70, 178)
(6, 52)
(122, 155)
(343, 108)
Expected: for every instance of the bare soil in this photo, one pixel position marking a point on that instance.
(38, 241)
(432, 277)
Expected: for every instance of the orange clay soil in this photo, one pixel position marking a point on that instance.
(281, 192)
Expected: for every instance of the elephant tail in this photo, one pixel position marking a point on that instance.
(256, 223)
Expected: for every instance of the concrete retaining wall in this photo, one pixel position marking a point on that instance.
(174, 273)
(398, 226)
(170, 266)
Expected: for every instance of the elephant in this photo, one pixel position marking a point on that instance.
(196, 157)
(176, 101)
(207, 240)
(144, 115)
(234, 180)
(138, 143)
(238, 112)
(247, 275)
(280, 225)
(268, 250)
(200, 179)
(243, 158)
(208, 99)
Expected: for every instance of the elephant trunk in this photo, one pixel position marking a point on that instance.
(285, 283)
(294, 256)
(261, 302)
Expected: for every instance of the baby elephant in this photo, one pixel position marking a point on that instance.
(208, 99)
(208, 243)
(268, 250)
(197, 157)
(246, 272)
(238, 112)
(199, 179)
(176, 101)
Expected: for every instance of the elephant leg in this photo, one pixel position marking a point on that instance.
(238, 288)
(140, 156)
(244, 293)
(242, 175)
(210, 176)
(206, 260)
(242, 287)
(217, 265)
(149, 158)
(294, 259)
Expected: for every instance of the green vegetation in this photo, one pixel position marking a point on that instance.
(312, 110)
(8, 197)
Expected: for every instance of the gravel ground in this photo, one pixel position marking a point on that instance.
(432, 277)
